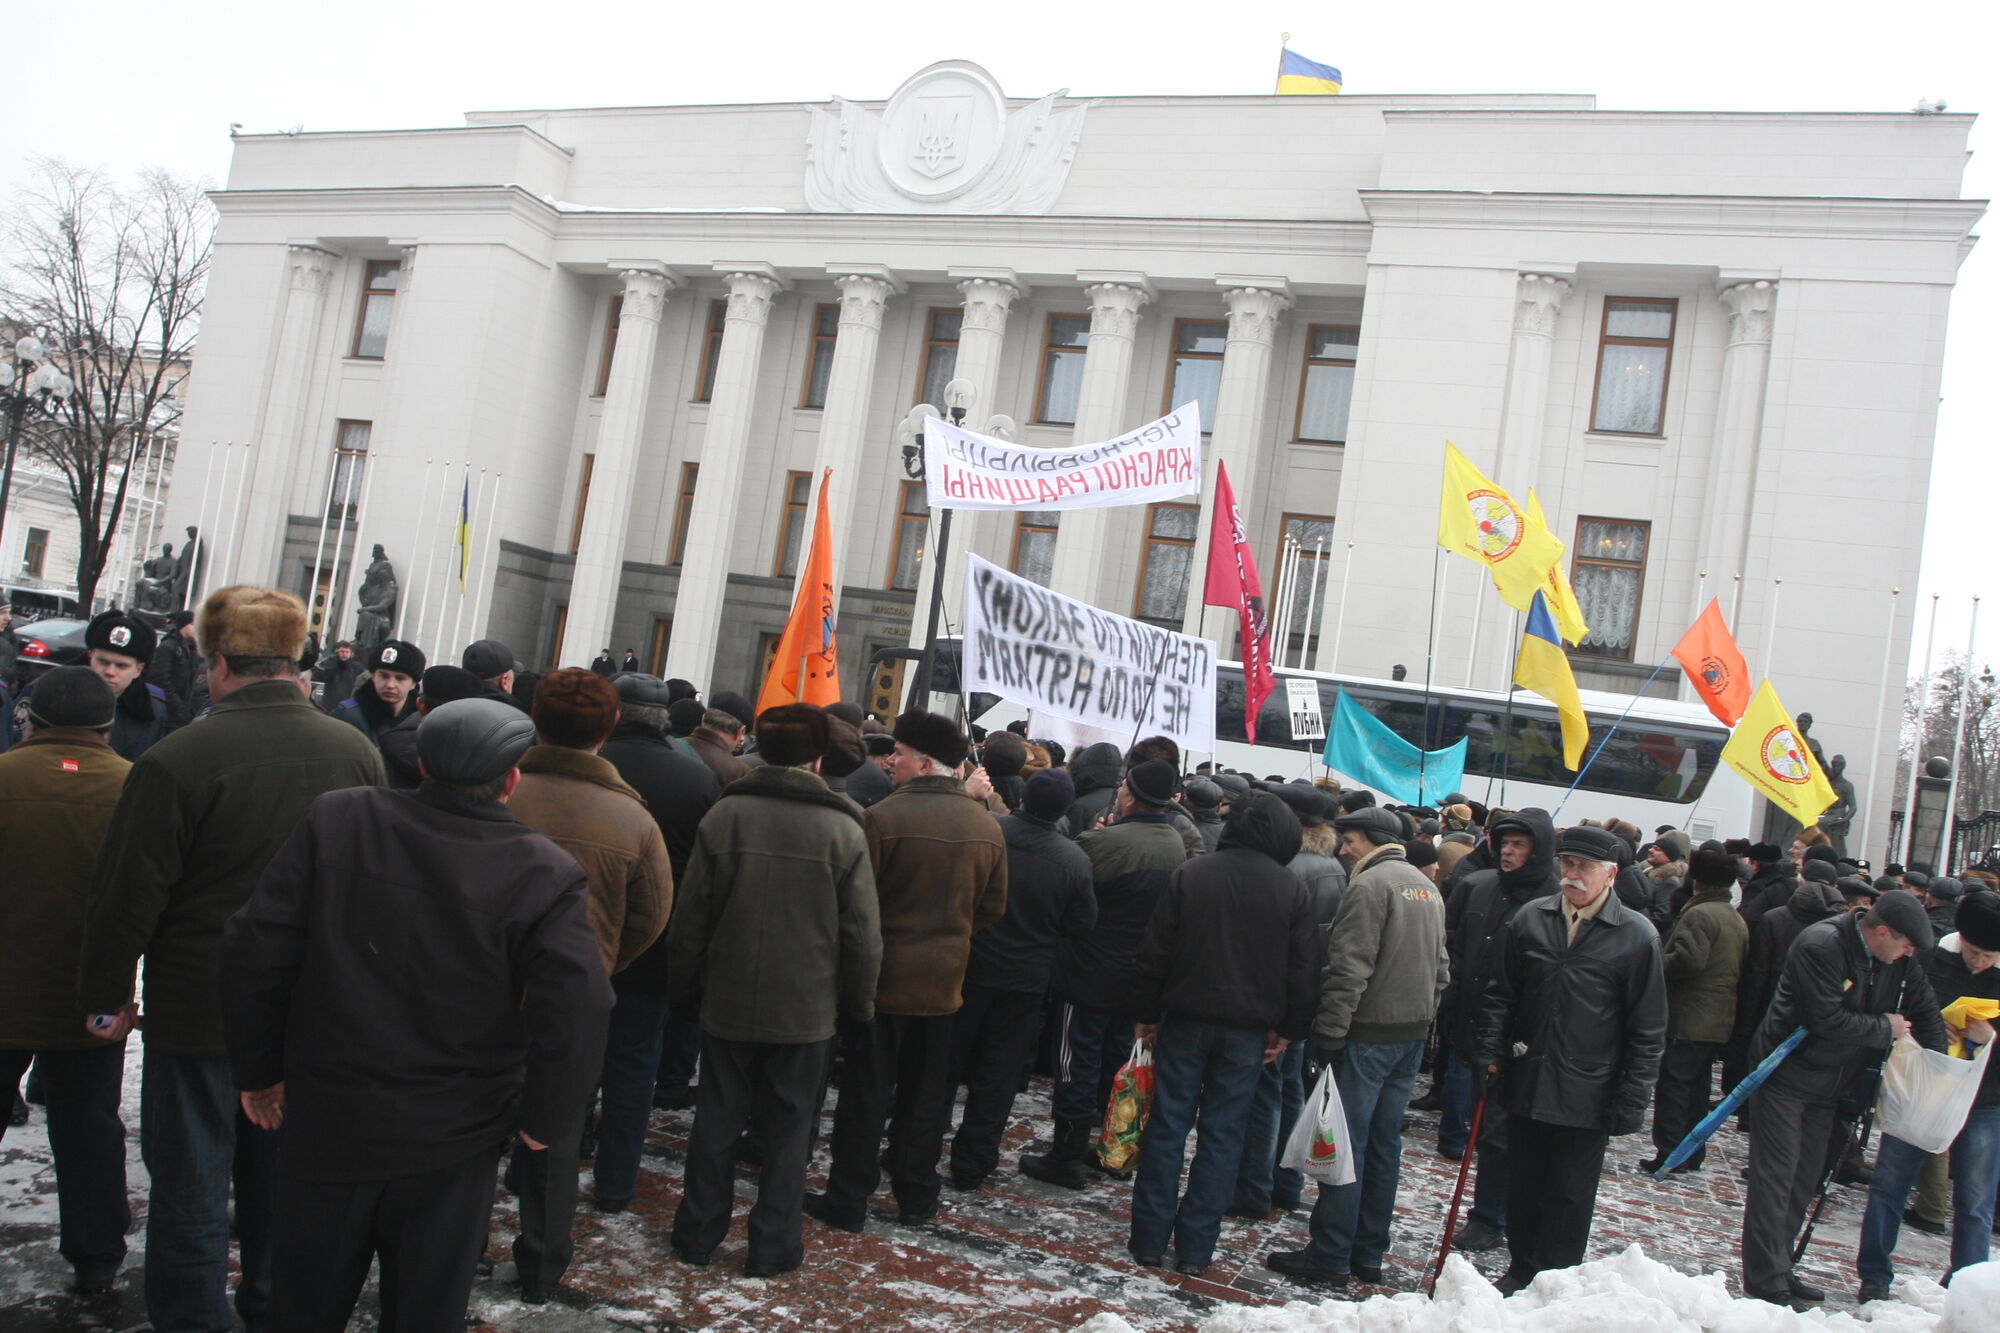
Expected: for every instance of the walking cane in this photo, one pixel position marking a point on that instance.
(1457, 1195)
(1826, 1183)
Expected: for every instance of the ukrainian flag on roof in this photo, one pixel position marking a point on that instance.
(1299, 76)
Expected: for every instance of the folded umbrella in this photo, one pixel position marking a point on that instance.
(1727, 1106)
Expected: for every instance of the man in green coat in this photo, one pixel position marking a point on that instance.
(57, 790)
(202, 813)
(1703, 961)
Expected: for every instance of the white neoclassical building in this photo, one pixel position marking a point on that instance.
(628, 339)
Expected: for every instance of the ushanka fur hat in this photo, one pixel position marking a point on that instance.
(928, 733)
(248, 621)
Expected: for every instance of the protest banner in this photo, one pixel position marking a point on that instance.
(1302, 702)
(1159, 461)
(1066, 658)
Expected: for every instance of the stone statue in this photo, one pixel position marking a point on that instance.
(157, 588)
(188, 575)
(1836, 818)
(377, 600)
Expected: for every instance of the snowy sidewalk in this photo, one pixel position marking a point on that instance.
(1018, 1255)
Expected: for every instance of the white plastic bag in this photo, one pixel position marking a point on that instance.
(1926, 1094)
(1319, 1144)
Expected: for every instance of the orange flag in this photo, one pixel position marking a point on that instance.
(1715, 666)
(808, 646)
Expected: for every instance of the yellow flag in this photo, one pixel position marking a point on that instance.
(1568, 612)
(1479, 521)
(1767, 750)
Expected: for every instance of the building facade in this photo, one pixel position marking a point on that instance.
(625, 342)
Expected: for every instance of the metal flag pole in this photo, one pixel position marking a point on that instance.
(403, 603)
(1902, 851)
(1312, 602)
(1281, 622)
(343, 576)
(1478, 614)
(1881, 711)
(204, 529)
(236, 511)
(319, 550)
(1607, 737)
(1735, 596)
(465, 561)
(430, 556)
(1507, 718)
(1958, 743)
(483, 604)
(1771, 631)
(218, 553)
(1430, 653)
(1340, 616)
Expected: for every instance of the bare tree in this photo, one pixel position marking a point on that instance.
(1937, 695)
(112, 279)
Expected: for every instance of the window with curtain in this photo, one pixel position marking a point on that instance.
(683, 508)
(35, 552)
(1197, 370)
(610, 343)
(819, 358)
(940, 355)
(1035, 545)
(711, 348)
(378, 302)
(350, 459)
(1167, 564)
(1314, 535)
(1609, 574)
(1633, 357)
(913, 523)
(792, 523)
(1062, 369)
(1327, 388)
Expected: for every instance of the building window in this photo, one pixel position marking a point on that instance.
(350, 460)
(1035, 545)
(683, 508)
(1608, 573)
(1632, 362)
(1168, 560)
(656, 647)
(1314, 537)
(378, 301)
(1327, 389)
(582, 502)
(711, 348)
(792, 523)
(35, 553)
(913, 525)
(819, 357)
(940, 355)
(1062, 369)
(610, 344)
(1197, 368)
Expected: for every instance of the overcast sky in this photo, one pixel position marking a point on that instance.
(126, 85)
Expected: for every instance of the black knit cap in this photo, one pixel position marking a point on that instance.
(72, 696)
(1978, 921)
(1155, 782)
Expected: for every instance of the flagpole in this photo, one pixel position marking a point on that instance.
(211, 553)
(1881, 709)
(1771, 628)
(1472, 645)
(360, 517)
(319, 549)
(1507, 718)
(1735, 599)
(1430, 652)
(1958, 746)
(1607, 737)
(1284, 40)
(482, 605)
(403, 603)
(465, 559)
(236, 507)
(1340, 616)
(1908, 840)
(332, 616)
(1282, 628)
(1312, 603)
(430, 561)
(194, 590)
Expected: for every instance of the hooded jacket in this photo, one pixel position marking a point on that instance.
(1841, 994)
(1703, 963)
(1130, 863)
(1049, 899)
(1097, 771)
(1577, 1027)
(1770, 940)
(1232, 940)
(1476, 918)
(1386, 963)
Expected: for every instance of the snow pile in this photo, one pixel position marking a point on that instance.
(1626, 1293)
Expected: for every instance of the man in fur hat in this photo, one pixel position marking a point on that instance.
(201, 814)
(389, 694)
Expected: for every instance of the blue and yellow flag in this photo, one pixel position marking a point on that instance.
(1299, 76)
(464, 540)
(1544, 668)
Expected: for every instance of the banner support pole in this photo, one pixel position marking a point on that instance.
(1881, 708)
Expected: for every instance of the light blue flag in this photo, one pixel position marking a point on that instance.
(1361, 747)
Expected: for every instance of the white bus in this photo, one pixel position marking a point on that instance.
(1662, 766)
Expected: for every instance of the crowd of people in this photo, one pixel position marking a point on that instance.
(411, 931)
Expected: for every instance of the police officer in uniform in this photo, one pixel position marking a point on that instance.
(389, 694)
(118, 647)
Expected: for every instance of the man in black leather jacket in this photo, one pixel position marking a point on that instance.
(1574, 1021)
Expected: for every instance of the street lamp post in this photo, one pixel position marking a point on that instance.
(30, 380)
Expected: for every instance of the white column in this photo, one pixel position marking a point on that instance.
(719, 485)
(989, 296)
(600, 548)
(1100, 409)
(1739, 423)
(281, 434)
(1237, 435)
(843, 421)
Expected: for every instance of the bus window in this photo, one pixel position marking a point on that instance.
(1649, 759)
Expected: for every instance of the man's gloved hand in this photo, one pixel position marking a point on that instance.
(1330, 1055)
(855, 1035)
(1625, 1120)
(1479, 1078)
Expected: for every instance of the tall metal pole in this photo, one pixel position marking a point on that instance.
(1771, 629)
(236, 510)
(210, 554)
(483, 605)
(370, 468)
(1881, 710)
(1917, 746)
(200, 542)
(1312, 603)
(403, 603)
(430, 557)
(319, 549)
(1340, 616)
(1282, 623)
(1958, 743)
(465, 561)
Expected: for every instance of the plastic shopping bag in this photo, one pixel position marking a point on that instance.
(1125, 1114)
(1319, 1145)
(1926, 1094)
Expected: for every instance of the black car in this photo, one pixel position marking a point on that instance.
(46, 644)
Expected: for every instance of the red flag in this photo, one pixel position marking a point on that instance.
(1232, 582)
(1715, 665)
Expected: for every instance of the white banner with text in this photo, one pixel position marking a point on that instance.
(1159, 461)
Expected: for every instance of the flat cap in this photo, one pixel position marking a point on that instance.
(471, 741)
(1373, 820)
(487, 658)
(1593, 844)
(636, 687)
(1902, 913)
